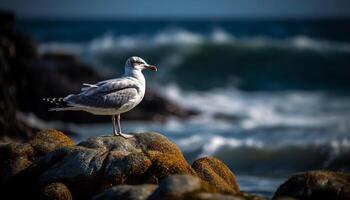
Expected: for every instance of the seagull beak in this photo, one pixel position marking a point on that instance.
(151, 67)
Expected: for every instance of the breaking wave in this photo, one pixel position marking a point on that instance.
(179, 37)
(248, 63)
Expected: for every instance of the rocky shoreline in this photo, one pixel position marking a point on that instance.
(149, 166)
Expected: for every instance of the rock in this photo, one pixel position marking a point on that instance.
(188, 187)
(49, 140)
(215, 196)
(15, 48)
(127, 192)
(56, 191)
(249, 196)
(99, 163)
(216, 173)
(61, 170)
(56, 75)
(285, 198)
(316, 185)
(14, 157)
(180, 187)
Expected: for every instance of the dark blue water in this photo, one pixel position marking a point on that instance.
(86, 30)
(251, 55)
(273, 95)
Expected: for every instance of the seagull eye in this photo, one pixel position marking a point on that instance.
(138, 62)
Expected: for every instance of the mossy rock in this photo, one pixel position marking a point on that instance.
(102, 163)
(49, 140)
(14, 157)
(215, 172)
(99, 163)
(56, 191)
(316, 185)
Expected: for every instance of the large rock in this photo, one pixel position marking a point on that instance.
(316, 185)
(127, 192)
(179, 187)
(49, 140)
(15, 157)
(56, 191)
(15, 49)
(187, 187)
(99, 163)
(111, 167)
(216, 173)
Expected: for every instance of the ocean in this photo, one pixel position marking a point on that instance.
(273, 96)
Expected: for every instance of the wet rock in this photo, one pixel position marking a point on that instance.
(180, 187)
(316, 185)
(216, 173)
(127, 192)
(56, 191)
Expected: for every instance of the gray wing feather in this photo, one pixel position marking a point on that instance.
(105, 94)
(109, 85)
(111, 99)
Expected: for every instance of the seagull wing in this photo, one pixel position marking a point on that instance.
(107, 94)
(88, 86)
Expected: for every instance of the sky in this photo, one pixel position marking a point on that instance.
(178, 8)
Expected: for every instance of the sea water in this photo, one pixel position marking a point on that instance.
(273, 96)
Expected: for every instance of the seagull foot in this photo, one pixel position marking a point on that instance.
(124, 135)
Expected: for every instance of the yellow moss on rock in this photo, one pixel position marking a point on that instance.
(49, 140)
(319, 184)
(215, 172)
(56, 191)
(14, 157)
(164, 165)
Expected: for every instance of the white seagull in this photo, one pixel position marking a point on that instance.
(110, 97)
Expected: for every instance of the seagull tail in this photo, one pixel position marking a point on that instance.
(60, 104)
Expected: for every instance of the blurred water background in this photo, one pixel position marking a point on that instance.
(273, 96)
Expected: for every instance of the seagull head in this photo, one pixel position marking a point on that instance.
(137, 63)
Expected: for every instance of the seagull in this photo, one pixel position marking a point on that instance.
(110, 97)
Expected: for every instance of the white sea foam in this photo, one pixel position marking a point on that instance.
(181, 37)
(259, 109)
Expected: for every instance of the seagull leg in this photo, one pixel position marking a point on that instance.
(126, 136)
(114, 128)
